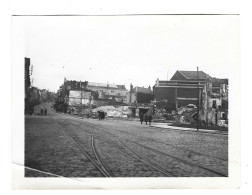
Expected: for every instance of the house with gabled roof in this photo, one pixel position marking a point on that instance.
(190, 75)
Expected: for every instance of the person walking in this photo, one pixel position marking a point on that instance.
(45, 111)
(141, 117)
(41, 111)
(146, 118)
(150, 118)
(102, 115)
(99, 115)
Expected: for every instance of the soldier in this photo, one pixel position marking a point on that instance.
(45, 111)
(146, 118)
(150, 118)
(41, 111)
(141, 117)
(99, 115)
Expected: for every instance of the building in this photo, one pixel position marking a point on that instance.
(139, 95)
(82, 94)
(187, 87)
(112, 92)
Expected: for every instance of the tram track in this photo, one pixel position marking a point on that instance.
(181, 160)
(141, 157)
(169, 155)
(138, 158)
(99, 165)
(171, 145)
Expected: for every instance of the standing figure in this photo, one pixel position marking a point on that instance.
(45, 111)
(141, 117)
(99, 115)
(41, 111)
(146, 118)
(150, 118)
(103, 115)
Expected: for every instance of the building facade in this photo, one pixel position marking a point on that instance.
(82, 94)
(139, 95)
(116, 93)
(188, 87)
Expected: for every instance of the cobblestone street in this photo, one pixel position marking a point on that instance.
(63, 145)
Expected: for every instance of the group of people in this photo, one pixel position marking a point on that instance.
(101, 115)
(145, 117)
(43, 112)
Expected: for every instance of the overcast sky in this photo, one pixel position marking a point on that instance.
(129, 49)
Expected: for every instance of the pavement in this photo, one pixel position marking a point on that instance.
(170, 127)
(167, 126)
(182, 152)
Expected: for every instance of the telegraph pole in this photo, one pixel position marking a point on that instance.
(198, 99)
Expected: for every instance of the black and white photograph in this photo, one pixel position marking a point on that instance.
(127, 97)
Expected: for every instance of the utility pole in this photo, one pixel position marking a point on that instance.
(198, 99)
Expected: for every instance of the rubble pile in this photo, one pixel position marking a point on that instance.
(184, 115)
(111, 111)
(161, 116)
(208, 117)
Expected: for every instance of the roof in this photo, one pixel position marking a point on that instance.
(193, 74)
(93, 84)
(121, 86)
(97, 84)
(142, 90)
(220, 81)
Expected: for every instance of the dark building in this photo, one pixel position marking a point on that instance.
(140, 95)
(143, 95)
(185, 87)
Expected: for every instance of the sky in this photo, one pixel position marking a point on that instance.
(135, 49)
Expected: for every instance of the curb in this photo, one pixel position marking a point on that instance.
(190, 129)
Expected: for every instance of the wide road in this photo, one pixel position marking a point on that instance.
(60, 145)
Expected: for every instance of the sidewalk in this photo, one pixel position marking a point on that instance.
(168, 126)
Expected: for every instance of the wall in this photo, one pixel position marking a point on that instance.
(210, 102)
(79, 98)
(133, 98)
(187, 93)
(161, 93)
(144, 98)
(103, 91)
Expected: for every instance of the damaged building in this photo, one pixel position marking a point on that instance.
(194, 88)
(182, 89)
(140, 95)
(139, 99)
(76, 95)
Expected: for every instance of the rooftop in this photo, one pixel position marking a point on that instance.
(142, 90)
(193, 74)
(106, 85)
